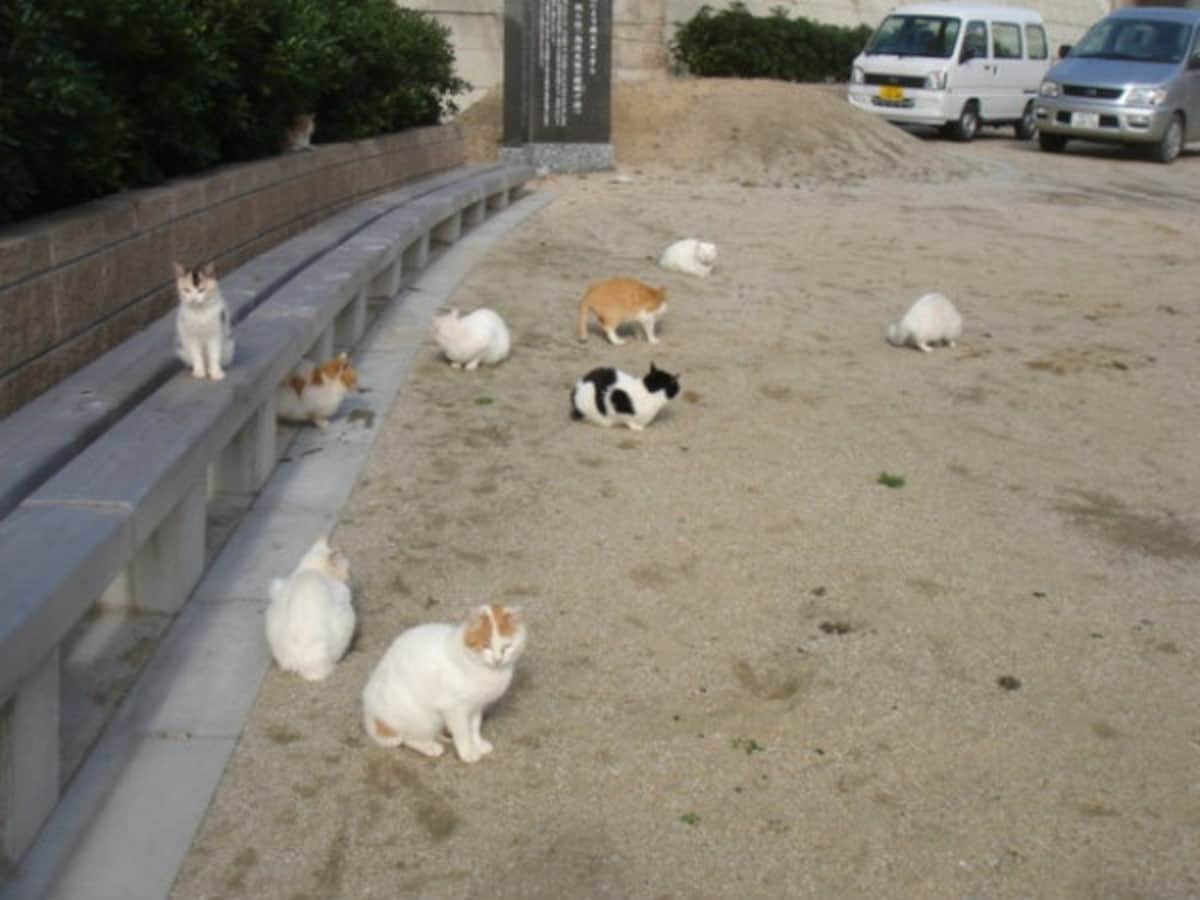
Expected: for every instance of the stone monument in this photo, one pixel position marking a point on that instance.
(558, 84)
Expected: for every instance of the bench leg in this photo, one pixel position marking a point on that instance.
(474, 214)
(29, 759)
(244, 466)
(448, 231)
(416, 256)
(169, 565)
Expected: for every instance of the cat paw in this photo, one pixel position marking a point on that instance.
(321, 423)
(472, 365)
(485, 747)
(613, 339)
(429, 748)
(634, 426)
(216, 375)
(924, 348)
(652, 340)
(456, 365)
(198, 373)
(470, 756)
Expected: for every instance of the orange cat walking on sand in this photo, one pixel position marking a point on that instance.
(619, 300)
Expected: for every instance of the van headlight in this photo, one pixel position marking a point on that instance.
(1145, 96)
(856, 75)
(1049, 89)
(936, 81)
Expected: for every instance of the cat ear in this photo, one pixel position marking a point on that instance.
(209, 271)
(180, 271)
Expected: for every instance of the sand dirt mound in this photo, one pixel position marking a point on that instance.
(747, 130)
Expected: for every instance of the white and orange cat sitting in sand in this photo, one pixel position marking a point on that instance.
(616, 301)
(313, 393)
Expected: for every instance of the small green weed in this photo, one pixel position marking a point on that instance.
(750, 745)
(483, 401)
(690, 819)
(891, 481)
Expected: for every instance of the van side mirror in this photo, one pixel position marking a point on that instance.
(1063, 50)
(968, 54)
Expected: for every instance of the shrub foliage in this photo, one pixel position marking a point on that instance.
(734, 43)
(101, 95)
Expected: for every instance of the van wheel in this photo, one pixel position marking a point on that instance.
(1026, 127)
(1051, 143)
(1171, 143)
(967, 125)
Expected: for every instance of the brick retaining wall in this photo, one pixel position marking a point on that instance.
(75, 284)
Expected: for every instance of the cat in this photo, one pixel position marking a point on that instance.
(203, 332)
(439, 677)
(619, 300)
(478, 337)
(690, 256)
(608, 397)
(313, 393)
(310, 619)
(299, 135)
(931, 320)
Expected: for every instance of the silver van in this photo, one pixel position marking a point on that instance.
(1133, 78)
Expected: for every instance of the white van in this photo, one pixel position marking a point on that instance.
(954, 66)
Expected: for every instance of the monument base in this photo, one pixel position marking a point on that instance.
(562, 157)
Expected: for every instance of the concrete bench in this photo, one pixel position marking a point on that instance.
(107, 478)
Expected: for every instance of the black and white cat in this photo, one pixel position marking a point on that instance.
(608, 396)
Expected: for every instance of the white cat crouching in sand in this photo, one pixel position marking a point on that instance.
(690, 256)
(310, 619)
(478, 338)
(931, 320)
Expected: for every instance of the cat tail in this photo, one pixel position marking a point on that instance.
(576, 413)
(584, 312)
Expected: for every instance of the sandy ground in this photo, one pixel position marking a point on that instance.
(753, 670)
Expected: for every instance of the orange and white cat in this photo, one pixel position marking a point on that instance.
(616, 301)
(441, 677)
(299, 136)
(313, 393)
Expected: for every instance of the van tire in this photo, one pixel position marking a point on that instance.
(1026, 127)
(967, 125)
(1171, 143)
(1051, 143)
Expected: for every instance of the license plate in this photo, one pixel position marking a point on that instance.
(891, 92)
(1085, 120)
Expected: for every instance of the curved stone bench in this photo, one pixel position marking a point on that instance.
(107, 477)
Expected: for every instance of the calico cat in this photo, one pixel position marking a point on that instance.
(313, 393)
(203, 332)
(437, 677)
(299, 135)
(690, 256)
(478, 337)
(310, 619)
(619, 300)
(608, 397)
(931, 320)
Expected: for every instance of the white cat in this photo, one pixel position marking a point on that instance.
(439, 677)
(478, 337)
(203, 332)
(310, 619)
(608, 396)
(690, 256)
(313, 393)
(931, 320)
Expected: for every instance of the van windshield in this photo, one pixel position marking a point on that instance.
(1143, 40)
(915, 36)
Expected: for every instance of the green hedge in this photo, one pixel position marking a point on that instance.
(734, 43)
(101, 95)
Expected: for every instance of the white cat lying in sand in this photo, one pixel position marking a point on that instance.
(690, 256)
(931, 320)
(479, 337)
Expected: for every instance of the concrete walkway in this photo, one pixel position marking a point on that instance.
(128, 817)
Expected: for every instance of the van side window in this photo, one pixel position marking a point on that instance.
(1035, 41)
(975, 39)
(1006, 40)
